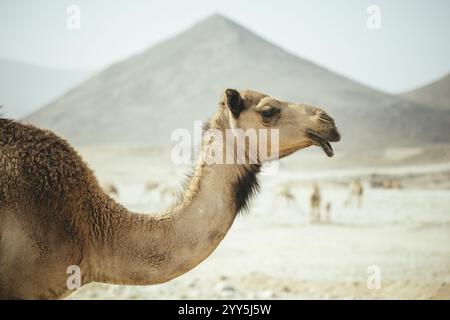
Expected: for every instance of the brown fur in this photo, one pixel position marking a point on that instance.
(45, 184)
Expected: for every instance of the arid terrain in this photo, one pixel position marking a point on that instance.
(273, 251)
(117, 92)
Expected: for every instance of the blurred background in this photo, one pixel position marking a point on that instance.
(116, 78)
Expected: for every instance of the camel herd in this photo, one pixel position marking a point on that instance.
(320, 209)
(165, 193)
(356, 190)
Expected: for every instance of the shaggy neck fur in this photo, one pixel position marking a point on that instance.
(148, 249)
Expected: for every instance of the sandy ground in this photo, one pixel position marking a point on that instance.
(274, 252)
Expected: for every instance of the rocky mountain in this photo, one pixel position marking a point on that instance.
(141, 100)
(435, 94)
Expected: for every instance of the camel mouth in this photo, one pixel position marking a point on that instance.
(321, 142)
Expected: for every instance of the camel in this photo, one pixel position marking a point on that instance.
(391, 184)
(328, 212)
(54, 215)
(151, 185)
(165, 192)
(111, 189)
(385, 182)
(315, 204)
(284, 192)
(356, 192)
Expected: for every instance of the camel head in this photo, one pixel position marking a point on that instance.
(299, 125)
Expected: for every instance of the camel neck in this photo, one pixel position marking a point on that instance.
(149, 249)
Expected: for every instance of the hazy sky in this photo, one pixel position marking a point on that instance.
(411, 48)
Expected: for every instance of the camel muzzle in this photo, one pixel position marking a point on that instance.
(323, 141)
(333, 135)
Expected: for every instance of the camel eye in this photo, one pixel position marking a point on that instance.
(269, 113)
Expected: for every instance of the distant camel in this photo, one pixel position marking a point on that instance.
(315, 204)
(151, 185)
(328, 212)
(55, 218)
(166, 192)
(391, 184)
(385, 182)
(356, 193)
(284, 192)
(111, 189)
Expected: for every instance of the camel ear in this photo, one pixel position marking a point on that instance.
(234, 102)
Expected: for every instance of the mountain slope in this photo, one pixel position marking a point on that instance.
(144, 98)
(25, 87)
(435, 94)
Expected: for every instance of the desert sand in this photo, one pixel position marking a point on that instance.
(273, 251)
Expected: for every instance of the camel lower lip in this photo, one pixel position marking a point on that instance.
(321, 142)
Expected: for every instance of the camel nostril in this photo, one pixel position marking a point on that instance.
(325, 118)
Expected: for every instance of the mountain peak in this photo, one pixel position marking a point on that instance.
(217, 18)
(218, 22)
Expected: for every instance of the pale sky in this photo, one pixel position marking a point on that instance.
(411, 48)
